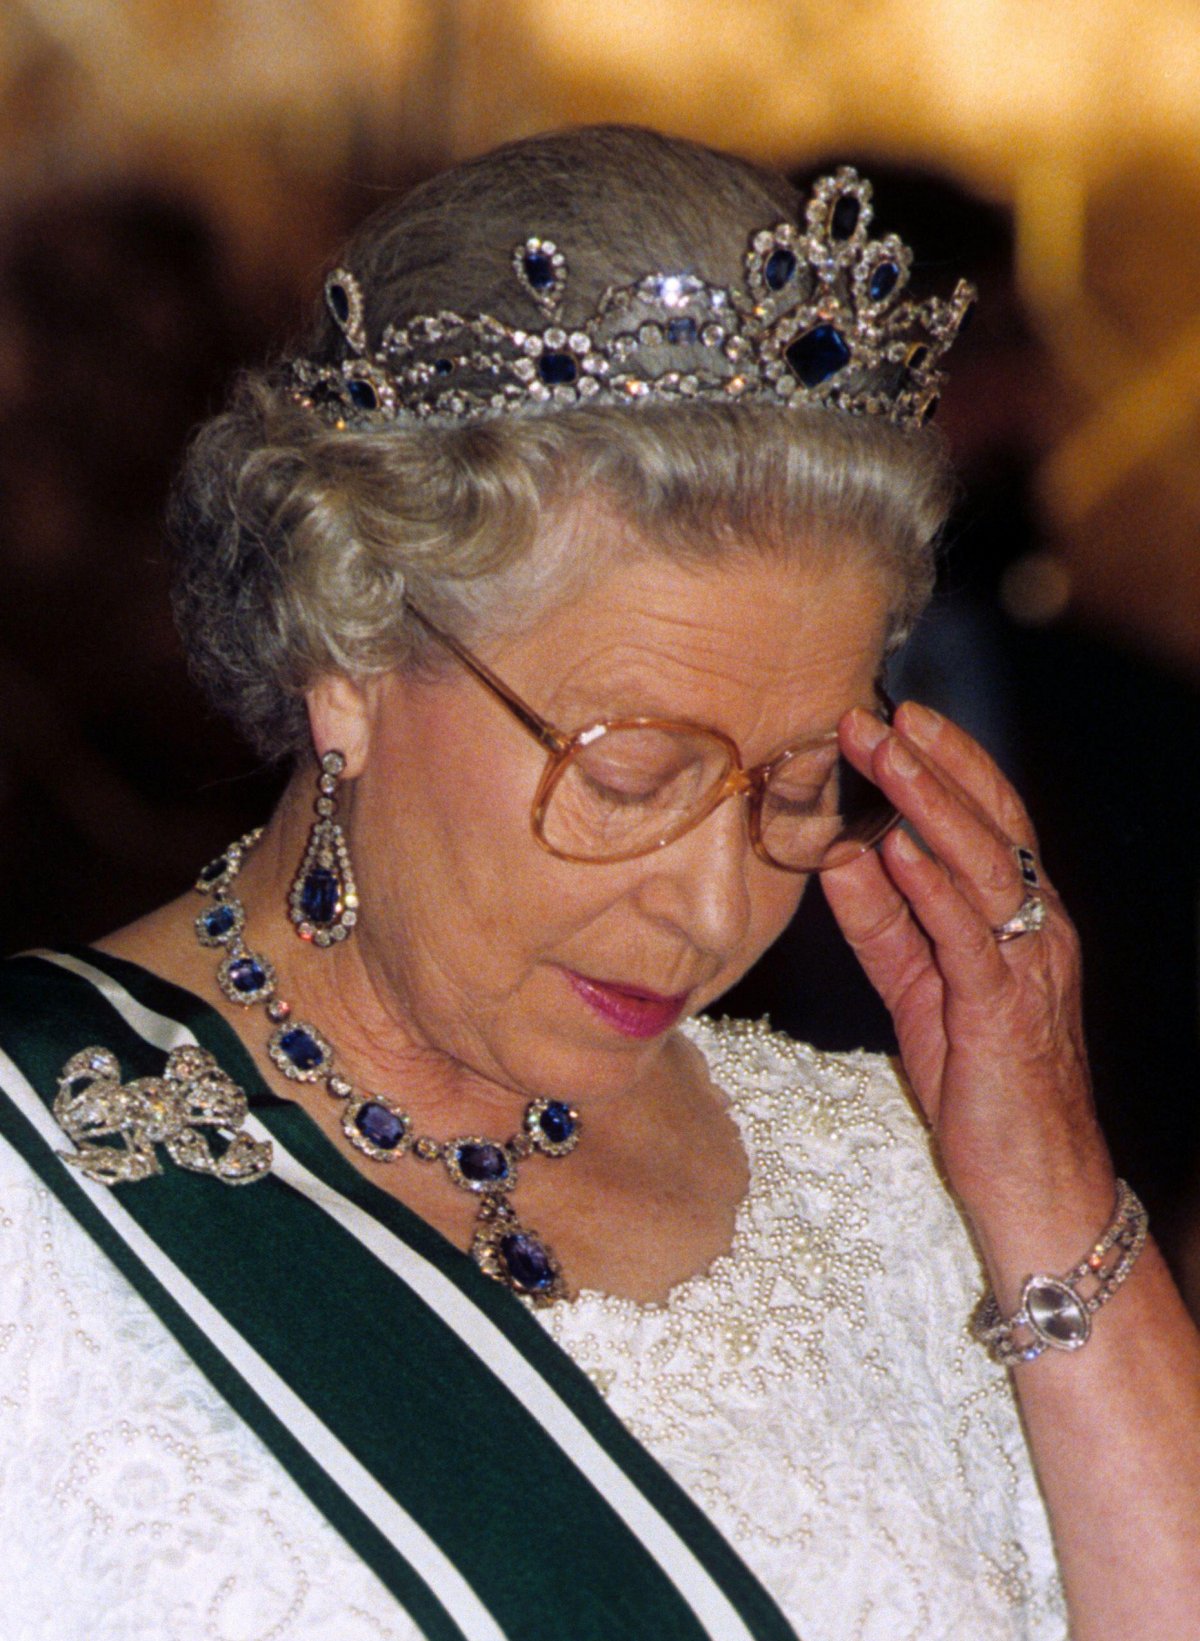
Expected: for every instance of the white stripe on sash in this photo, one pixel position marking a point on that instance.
(692, 1580)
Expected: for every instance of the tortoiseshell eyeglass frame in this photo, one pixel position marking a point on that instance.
(562, 746)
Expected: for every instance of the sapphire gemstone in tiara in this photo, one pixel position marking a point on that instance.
(818, 354)
(339, 301)
(362, 394)
(845, 217)
(883, 281)
(539, 270)
(557, 369)
(681, 331)
(779, 268)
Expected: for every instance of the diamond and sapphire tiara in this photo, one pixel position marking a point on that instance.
(821, 319)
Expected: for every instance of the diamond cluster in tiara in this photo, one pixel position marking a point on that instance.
(821, 319)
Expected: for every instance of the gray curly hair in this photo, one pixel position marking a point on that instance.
(297, 541)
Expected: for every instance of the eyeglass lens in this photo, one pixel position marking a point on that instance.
(627, 790)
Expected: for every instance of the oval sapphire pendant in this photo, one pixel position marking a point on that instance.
(515, 1256)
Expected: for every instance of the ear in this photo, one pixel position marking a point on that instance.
(340, 717)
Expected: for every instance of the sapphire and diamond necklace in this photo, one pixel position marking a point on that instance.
(374, 1124)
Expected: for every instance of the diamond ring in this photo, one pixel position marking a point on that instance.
(1029, 917)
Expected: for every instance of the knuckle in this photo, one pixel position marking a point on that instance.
(889, 918)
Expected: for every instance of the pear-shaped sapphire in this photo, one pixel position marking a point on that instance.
(557, 369)
(302, 1049)
(215, 869)
(780, 266)
(527, 1262)
(539, 270)
(319, 895)
(484, 1164)
(882, 281)
(818, 354)
(362, 394)
(380, 1125)
(339, 301)
(556, 1122)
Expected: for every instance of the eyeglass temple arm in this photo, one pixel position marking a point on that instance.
(545, 733)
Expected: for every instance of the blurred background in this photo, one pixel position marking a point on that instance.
(175, 175)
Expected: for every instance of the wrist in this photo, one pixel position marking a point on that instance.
(1040, 1216)
(1055, 1308)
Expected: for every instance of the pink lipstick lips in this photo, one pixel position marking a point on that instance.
(629, 1009)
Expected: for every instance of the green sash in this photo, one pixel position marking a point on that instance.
(427, 1415)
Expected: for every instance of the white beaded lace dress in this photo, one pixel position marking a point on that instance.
(816, 1393)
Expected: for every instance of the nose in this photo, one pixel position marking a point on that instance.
(701, 883)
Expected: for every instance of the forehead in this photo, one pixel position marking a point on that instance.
(775, 641)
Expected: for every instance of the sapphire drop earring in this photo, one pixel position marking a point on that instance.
(323, 902)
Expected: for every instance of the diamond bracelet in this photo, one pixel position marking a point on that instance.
(1056, 1312)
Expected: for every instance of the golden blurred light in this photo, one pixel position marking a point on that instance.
(1036, 589)
(256, 106)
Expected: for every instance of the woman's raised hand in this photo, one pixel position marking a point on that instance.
(992, 1043)
(989, 1031)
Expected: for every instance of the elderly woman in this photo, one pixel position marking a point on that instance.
(563, 560)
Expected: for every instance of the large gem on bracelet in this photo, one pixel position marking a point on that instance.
(1056, 1313)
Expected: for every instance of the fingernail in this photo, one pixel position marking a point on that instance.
(869, 727)
(902, 760)
(922, 723)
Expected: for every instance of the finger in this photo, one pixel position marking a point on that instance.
(878, 925)
(862, 733)
(980, 858)
(959, 756)
(965, 948)
(981, 861)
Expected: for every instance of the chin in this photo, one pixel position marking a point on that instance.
(574, 1070)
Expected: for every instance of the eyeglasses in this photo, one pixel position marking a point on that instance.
(624, 787)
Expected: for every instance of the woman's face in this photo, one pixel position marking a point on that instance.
(559, 978)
